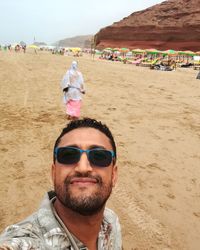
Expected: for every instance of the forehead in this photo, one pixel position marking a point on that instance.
(85, 137)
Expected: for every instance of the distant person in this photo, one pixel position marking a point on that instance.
(198, 76)
(74, 215)
(73, 87)
(24, 48)
(9, 47)
(17, 48)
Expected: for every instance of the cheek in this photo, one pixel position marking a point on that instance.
(106, 176)
(60, 174)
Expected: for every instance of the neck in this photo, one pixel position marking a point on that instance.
(81, 226)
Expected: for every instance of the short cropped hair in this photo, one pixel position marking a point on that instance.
(86, 123)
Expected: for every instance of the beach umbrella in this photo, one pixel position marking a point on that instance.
(98, 52)
(33, 46)
(116, 49)
(152, 51)
(186, 53)
(76, 49)
(138, 51)
(197, 52)
(124, 50)
(108, 49)
(169, 52)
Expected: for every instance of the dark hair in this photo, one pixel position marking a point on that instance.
(87, 123)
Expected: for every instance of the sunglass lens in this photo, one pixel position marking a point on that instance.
(68, 155)
(101, 158)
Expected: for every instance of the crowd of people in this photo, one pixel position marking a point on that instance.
(16, 48)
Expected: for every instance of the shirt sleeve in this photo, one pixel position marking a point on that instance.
(18, 238)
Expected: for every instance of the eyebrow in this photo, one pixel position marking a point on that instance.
(90, 147)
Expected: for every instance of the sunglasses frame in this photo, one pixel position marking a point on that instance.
(87, 151)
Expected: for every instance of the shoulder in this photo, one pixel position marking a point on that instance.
(111, 218)
(39, 231)
(110, 215)
(23, 234)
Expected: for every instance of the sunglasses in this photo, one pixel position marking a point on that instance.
(98, 157)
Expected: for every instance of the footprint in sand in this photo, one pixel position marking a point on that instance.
(171, 196)
(111, 108)
(20, 173)
(196, 214)
(4, 149)
(154, 165)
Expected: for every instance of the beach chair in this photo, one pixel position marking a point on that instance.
(150, 63)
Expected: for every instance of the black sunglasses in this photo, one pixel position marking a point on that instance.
(98, 157)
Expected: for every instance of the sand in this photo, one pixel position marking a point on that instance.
(154, 116)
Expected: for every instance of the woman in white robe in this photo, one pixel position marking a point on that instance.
(73, 87)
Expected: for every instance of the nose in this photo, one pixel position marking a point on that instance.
(83, 165)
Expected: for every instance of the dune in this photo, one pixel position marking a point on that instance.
(154, 116)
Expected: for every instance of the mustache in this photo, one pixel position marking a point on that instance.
(83, 175)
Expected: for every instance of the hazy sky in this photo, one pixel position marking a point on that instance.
(52, 20)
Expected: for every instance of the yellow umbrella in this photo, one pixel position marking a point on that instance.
(76, 49)
(138, 50)
(33, 46)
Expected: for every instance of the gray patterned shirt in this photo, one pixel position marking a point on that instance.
(42, 231)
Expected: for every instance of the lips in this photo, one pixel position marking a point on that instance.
(83, 180)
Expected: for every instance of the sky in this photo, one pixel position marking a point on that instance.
(53, 20)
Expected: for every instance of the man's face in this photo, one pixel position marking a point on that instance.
(81, 187)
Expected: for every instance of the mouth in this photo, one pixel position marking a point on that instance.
(83, 181)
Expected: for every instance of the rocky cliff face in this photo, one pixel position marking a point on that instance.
(173, 24)
(77, 41)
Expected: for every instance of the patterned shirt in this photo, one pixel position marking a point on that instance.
(42, 231)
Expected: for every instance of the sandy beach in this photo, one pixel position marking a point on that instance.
(155, 119)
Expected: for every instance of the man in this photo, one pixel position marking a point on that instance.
(74, 216)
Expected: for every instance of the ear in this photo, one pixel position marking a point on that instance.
(114, 175)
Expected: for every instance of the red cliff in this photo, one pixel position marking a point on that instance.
(173, 24)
